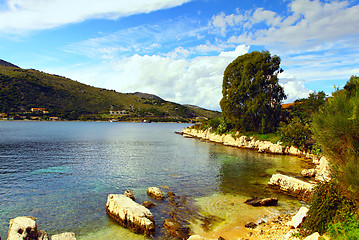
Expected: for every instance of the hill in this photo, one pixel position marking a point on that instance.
(7, 64)
(23, 89)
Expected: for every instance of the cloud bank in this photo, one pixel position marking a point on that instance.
(18, 16)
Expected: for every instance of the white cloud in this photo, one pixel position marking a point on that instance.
(240, 50)
(195, 81)
(27, 15)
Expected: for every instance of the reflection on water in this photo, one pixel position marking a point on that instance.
(62, 172)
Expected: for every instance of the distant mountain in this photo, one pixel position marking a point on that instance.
(146, 95)
(23, 89)
(7, 64)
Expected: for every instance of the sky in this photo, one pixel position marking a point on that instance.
(179, 49)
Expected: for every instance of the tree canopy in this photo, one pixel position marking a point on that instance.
(251, 93)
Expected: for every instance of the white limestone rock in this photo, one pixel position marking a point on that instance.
(64, 236)
(22, 228)
(292, 186)
(130, 214)
(314, 236)
(323, 170)
(156, 193)
(298, 217)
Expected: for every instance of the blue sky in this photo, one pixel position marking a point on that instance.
(179, 49)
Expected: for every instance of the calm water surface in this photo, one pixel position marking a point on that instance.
(62, 172)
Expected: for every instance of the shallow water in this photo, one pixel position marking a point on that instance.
(62, 172)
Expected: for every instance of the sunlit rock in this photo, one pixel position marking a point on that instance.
(155, 192)
(22, 228)
(129, 193)
(323, 170)
(64, 236)
(292, 186)
(314, 236)
(308, 172)
(298, 217)
(130, 214)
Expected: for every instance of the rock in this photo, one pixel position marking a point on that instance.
(148, 204)
(323, 170)
(197, 237)
(256, 202)
(155, 192)
(64, 236)
(22, 228)
(314, 236)
(171, 194)
(251, 225)
(129, 193)
(308, 172)
(175, 229)
(292, 186)
(293, 151)
(298, 217)
(130, 214)
(42, 235)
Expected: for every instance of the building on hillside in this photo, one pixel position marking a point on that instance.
(38, 109)
(121, 112)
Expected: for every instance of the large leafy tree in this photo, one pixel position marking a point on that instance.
(251, 93)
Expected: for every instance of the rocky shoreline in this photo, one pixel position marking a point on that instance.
(280, 227)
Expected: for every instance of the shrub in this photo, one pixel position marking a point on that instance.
(327, 205)
(336, 129)
(345, 230)
(295, 133)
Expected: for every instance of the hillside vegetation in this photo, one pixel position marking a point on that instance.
(23, 89)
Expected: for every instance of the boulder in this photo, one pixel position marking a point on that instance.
(148, 204)
(256, 202)
(129, 193)
(198, 237)
(298, 218)
(251, 225)
(22, 228)
(155, 192)
(292, 186)
(323, 170)
(42, 235)
(314, 236)
(175, 229)
(308, 172)
(130, 214)
(64, 236)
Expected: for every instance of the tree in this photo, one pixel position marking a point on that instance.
(251, 93)
(336, 129)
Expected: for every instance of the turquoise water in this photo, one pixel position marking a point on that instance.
(62, 172)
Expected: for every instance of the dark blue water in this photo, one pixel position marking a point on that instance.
(62, 172)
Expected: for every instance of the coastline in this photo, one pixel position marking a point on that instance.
(275, 226)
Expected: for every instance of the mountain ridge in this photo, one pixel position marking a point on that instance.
(23, 89)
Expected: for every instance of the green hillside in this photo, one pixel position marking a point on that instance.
(23, 89)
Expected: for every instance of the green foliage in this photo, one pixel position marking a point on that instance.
(336, 128)
(345, 230)
(328, 204)
(251, 93)
(305, 108)
(218, 125)
(22, 89)
(295, 133)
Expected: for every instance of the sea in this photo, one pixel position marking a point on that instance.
(62, 172)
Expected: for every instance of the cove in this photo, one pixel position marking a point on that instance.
(62, 172)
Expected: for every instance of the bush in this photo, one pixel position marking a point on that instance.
(347, 229)
(295, 133)
(336, 129)
(327, 205)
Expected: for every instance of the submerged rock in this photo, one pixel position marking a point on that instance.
(155, 192)
(130, 214)
(292, 186)
(64, 236)
(148, 204)
(175, 229)
(256, 202)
